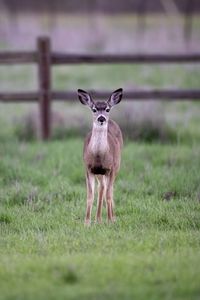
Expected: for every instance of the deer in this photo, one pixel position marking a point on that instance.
(101, 154)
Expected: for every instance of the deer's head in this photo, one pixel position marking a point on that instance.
(100, 109)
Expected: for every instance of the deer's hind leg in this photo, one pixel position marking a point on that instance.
(90, 182)
(101, 194)
(109, 197)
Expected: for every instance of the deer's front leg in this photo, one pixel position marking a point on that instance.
(90, 182)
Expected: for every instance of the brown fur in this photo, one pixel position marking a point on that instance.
(110, 161)
(105, 166)
(102, 153)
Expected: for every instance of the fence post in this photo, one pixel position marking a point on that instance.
(189, 10)
(44, 70)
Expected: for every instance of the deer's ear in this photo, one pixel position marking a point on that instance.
(85, 98)
(116, 97)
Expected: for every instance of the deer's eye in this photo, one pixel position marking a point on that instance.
(107, 109)
(94, 109)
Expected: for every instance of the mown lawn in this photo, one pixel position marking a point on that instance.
(151, 252)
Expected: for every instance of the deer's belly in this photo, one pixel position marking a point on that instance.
(99, 170)
(99, 165)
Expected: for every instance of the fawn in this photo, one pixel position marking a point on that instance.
(101, 154)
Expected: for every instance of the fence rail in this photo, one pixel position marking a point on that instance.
(45, 58)
(26, 57)
(59, 58)
(22, 57)
(145, 94)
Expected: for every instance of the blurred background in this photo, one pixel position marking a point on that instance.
(100, 26)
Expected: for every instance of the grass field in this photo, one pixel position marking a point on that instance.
(153, 249)
(151, 252)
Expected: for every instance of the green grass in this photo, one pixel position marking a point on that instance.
(151, 252)
(18, 78)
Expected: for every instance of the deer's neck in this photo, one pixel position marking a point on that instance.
(99, 139)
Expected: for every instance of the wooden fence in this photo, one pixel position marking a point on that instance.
(45, 58)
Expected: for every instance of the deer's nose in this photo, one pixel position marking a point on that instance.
(101, 119)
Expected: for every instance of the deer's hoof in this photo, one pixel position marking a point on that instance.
(98, 221)
(87, 223)
(112, 220)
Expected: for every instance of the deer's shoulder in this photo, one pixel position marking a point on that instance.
(115, 131)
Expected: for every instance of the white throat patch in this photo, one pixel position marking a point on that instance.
(98, 142)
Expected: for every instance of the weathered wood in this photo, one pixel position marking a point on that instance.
(150, 94)
(59, 58)
(21, 57)
(62, 58)
(44, 70)
(19, 97)
(188, 19)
